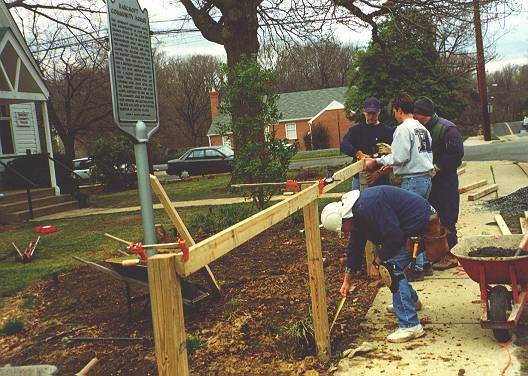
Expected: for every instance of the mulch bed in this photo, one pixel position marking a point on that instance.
(255, 328)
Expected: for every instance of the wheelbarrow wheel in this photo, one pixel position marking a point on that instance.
(498, 307)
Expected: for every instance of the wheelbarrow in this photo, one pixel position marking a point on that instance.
(501, 307)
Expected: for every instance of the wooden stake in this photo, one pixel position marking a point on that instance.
(117, 239)
(463, 164)
(483, 192)
(317, 280)
(502, 225)
(524, 225)
(167, 316)
(87, 367)
(461, 171)
(180, 226)
(469, 187)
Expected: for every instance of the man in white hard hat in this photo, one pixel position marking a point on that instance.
(387, 216)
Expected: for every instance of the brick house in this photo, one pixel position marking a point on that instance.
(300, 111)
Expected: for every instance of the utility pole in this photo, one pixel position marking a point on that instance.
(481, 72)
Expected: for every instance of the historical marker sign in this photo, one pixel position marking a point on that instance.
(131, 67)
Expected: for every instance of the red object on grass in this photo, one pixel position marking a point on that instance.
(46, 229)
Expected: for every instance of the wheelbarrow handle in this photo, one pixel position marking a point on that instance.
(522, 245)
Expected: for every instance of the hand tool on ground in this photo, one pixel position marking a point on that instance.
(28, 253)
(522, 245)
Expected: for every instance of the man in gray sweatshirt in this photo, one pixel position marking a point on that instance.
(411, 159)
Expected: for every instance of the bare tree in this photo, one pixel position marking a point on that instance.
(184, 85)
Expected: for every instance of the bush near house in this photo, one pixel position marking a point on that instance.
(114, 163)
(319, 137)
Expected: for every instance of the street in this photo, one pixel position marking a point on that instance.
(508, 151)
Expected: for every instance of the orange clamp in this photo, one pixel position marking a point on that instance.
(185, 249)
(292, 184)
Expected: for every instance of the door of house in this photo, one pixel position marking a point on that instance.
(6, 133)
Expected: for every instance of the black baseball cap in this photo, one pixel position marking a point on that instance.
(371, 104)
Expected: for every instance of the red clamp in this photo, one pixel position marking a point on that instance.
(137, 248)
(321, 186)
(292, 184)
(185, 249)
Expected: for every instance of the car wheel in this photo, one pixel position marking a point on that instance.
(184, 175)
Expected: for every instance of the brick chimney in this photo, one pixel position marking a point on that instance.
(215, 103)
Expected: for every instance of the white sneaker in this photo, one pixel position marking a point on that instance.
(418, 305)
(406, 334)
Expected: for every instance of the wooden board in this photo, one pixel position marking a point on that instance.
(167, 316)
(216, 246)
(463, 164)
(502, 225)
(470, 187)
(483, 192)
(316, 280)
(524, 225)
(180, 226)
(461, 171)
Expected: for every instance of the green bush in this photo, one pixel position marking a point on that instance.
(12, 326)
(114, 163)
(220, 218)
(317, 139)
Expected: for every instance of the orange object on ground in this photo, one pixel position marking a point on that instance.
(46, 229)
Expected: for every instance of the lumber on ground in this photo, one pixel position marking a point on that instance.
(87, 367)
(316, 280)
(524, 225)
(461, 171)
(180, 226)
(167, 316)
(502, 225)
(483, 192)
(463, 164)
(471, 186)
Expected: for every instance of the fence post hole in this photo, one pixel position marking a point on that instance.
(167, 316)
(317, 280)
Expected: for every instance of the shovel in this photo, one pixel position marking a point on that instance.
(522, 245)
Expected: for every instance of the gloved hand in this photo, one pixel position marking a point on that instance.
(370, 164)
(360, 155)
(383, 148)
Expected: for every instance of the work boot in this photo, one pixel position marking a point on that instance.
(406, 334)
(447, 262)
(418, 305)
(414, 275)
(428, 270)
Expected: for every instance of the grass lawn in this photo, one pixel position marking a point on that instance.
(196, 189)
(325, 153)
(81, 237)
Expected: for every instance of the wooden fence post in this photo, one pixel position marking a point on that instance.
(167, 316)
(317, 280)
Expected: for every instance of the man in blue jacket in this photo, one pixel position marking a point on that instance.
(362, 139)
(448, 150)
(387, 216)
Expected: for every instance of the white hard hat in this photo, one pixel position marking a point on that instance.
(348, 200)
(331, 216)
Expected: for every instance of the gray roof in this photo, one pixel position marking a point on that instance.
(297, 105)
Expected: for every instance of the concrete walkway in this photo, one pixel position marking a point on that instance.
(177, 204)
(454, 343)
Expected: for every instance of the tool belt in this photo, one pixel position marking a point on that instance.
(433, 240)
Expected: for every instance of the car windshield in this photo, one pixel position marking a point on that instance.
(226, 150)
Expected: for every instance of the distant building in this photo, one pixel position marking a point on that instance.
(300, 111)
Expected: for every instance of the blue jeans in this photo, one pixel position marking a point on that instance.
(355, 182)
(404, 300)
(421, 185)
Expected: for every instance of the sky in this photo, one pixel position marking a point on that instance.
(511, 46)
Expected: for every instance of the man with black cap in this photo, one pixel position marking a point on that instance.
(361, 140)
(448, 150)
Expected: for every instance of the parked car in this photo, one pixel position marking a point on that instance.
(83, 167)
(201, 161)
(525, 122)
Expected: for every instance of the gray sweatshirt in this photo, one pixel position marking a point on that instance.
(412, 153)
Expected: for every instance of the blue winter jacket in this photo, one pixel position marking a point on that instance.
(448, 146)
(365, 137)
(386, 216)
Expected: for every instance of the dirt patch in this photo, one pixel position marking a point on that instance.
(257, 328)
(492, 252)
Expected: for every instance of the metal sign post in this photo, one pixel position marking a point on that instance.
(134, 94)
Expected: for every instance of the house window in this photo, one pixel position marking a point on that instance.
(6, 135)
(226, 140)
(291, 131)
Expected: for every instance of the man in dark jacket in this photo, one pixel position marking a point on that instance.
(364, 137)
(386, 216)
(448, 150)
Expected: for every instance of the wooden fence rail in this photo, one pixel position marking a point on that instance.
(165, 271)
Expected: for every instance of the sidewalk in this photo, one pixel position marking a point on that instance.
(177, 204)
(454, 343)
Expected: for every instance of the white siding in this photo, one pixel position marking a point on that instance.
(24, 126)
